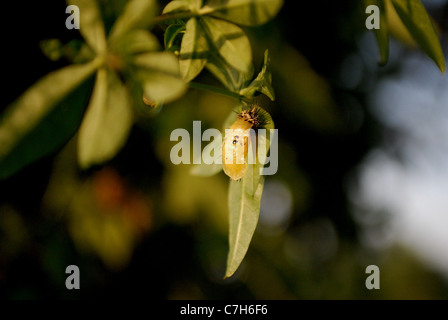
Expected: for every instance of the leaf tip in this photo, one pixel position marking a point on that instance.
(229, 274)
(442, 66)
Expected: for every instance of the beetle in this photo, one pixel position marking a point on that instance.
(237, 139)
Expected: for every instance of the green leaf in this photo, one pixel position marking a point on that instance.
(173, 35)
(230, 41)
(194, 50)
(382, 34)
(135, 42)
(244, 199)
(91, 24)
(159, 74)
(137, 14)
(176, 6)
(23, 115)
(75, 51)
(182, 5)
(231, 78)
(52, 49)
(107, 122)
(244, 12)
(244, 209)
(262, 83)
(416, 19)
(50, 134)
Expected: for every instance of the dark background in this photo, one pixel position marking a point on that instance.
(176, 259)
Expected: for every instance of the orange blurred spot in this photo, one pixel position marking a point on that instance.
(138, 213)
(109, 189)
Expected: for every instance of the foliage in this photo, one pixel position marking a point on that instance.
(416, 21)
(128, 63)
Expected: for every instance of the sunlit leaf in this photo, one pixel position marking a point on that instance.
(176, 6)
(244, 209)
(159, 74)
(396, 27)
(244, 200)
(182, 5)
(91, 24)
(23, 115)
(262, 83)
(51, 133)
(416, 19)
(230, 41)
(194, 50)
(231, 78)
(244, 12)
(135, 42)
(107, 122)
(137, 14)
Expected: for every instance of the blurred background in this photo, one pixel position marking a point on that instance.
(362, 179)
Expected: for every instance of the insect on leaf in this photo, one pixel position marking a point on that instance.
(244, 204)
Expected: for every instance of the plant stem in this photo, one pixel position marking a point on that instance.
(172, 16)
(225, 92)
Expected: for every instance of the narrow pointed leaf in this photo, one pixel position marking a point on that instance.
(244, 201)
(416, 19)
(107, 122)
(262, 83)
(244, 210)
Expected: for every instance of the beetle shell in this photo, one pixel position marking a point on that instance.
(235, 148)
